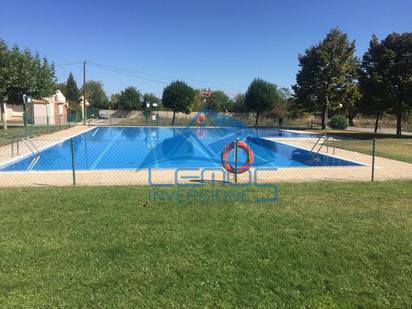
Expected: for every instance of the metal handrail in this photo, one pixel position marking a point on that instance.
(317, 142)
(35, 152)
(326, 140)
(31, 146)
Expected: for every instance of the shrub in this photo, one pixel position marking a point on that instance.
(338, 122)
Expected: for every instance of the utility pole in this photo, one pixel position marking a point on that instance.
(326, 113)
(3, 111)
(84, 93)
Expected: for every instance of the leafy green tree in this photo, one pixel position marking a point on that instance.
(72, 92)
(179, 97)
(218, 101)
(281, 110)
(62, 88)
(371, 84)
(386, 77)
(46, 80)
(129, 99)
(199, 100)
(261, 97)
(328, 70)
(114, 100)
(4, 77)
(21, 72)
(239, 105)
(150, 98)
(96, 95)
(350, 102)
(4, 70)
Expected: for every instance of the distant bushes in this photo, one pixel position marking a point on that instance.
(338, 122)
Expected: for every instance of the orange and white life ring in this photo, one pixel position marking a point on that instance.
(201, 133)
(249, 160)
(201, 119)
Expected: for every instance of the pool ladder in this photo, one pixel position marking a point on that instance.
(323, 141)
(34, 151)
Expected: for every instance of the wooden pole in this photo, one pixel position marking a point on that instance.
(84, 93)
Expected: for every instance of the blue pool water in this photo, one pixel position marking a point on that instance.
(146, 147)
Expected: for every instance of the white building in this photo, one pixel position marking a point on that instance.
(51, 110)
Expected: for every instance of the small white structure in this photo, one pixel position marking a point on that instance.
(82, 104)
(46, 111)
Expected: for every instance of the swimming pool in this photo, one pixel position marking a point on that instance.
(105, 148)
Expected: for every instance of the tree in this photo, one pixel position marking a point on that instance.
(62, 87)
(370, 82)
(351, 102)
(72, 92)
(22, 73)
(114, 100)
(129, 99)
(218, 101)
(199, 100)
(328, 74)
(45, 79)
(261, 96)
(4, 70)
(386, 77)
(280, 111)
(179, 97)
(4, 77)
(96, 95)
(150, 98)
(239, 105)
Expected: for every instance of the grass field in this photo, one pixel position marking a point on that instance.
(397, 149)
(322, 245)
(10, 135)
(386, 145)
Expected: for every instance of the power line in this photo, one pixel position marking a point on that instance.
(66, 64)
(168, 77)
(127, 74)
(158, 80)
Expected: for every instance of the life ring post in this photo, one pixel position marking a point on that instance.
(235, 169)
(236, 145)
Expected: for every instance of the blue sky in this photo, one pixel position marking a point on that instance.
(217, 44)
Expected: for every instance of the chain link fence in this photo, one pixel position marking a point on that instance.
(143, 148)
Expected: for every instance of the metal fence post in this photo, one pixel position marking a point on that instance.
(18, 145)
(373, 158)
(236, 142)
(73, 161)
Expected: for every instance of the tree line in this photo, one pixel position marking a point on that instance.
(24, 72)
(331, 80)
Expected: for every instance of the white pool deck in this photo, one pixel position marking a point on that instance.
(385, 169)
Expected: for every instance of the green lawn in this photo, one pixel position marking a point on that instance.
(387, 145)
(392, 148)
(322, 245)
(10, 135)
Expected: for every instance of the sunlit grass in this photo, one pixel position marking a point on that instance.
(321, 245)
(12, 133)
